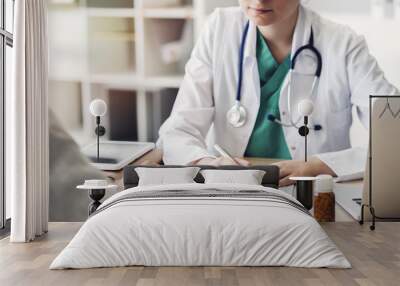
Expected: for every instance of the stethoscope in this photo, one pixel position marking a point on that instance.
(237, 115)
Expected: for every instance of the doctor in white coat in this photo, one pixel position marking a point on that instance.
(276, 30)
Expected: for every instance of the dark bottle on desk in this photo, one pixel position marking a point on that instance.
(324, 199)
(324, 207)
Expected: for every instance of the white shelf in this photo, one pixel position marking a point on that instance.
(113, 36)
(131, 81)
(128, 80)
(67, 77)
(361, 19)
(160, 82)
(186, 12)
(112, 12)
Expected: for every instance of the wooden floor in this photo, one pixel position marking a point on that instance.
(375, 257)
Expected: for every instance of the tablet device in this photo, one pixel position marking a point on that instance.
(115, 155)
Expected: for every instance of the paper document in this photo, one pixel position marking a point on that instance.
(350, 177)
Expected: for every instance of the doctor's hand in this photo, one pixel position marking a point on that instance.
(312, 168)
(221, 161)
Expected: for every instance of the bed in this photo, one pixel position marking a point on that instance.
(199, 224)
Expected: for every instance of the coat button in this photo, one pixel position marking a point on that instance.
(293, 148)
(283, 113)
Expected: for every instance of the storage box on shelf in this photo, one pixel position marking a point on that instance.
(159, 109)
(167, 46)
(111, 47)
(122, 115)
(67, 43)
(112, 4)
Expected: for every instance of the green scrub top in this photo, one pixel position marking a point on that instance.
(267, 139)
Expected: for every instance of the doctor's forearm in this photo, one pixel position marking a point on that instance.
(297, 168)
(318, 167)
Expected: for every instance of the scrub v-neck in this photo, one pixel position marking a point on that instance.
(267, 139)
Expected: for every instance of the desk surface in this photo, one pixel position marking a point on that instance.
(154, 158)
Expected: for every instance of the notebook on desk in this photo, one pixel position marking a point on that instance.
(115, 155)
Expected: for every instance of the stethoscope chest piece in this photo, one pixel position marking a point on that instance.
(236, 116)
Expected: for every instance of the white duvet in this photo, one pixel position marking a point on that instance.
(200, 232)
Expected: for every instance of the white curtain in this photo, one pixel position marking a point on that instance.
(27, 137)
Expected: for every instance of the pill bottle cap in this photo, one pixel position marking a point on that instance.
(323, 184)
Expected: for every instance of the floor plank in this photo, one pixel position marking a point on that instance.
(375, 257)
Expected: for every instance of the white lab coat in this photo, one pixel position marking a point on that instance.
(349, 75)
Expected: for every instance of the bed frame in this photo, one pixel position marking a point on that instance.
(271, 178)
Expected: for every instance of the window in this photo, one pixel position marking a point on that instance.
(6, 44)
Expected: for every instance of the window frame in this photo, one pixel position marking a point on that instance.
(6, 39)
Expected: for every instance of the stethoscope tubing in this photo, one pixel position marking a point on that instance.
(310, 46)
(241, 62)
(294, 123)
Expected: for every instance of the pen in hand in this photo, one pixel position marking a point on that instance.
(225, 154)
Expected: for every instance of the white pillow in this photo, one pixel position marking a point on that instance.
(247, 177)
(166, 176)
